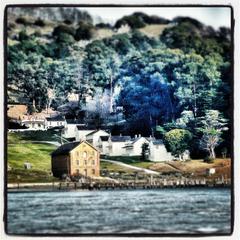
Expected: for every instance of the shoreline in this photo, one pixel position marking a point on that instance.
(65, 187)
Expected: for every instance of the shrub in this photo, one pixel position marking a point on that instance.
(39, 22)
(11, 25)
(23, 36)
(63, 29)
(67, 21)
(103, 25)
(84, 31)
(21, 20)
(208, 159)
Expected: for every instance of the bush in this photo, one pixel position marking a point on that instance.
(21, 20)
(11, 25)
(208, 159)
(23, 36)
(39, 22)
(103, 25)
(67, 21)
(84, 32)
(63, 29)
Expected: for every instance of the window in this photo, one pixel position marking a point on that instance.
(93, 162)
(77, 171)
(85, 162)
(93, 171)
(84, 154)
(85, 172)
(77, 162)
(77, 154)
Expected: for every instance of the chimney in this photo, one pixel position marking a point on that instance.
(120, 135)
(139, 135)
(135, 136)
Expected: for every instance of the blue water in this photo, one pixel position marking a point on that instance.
(164, 211)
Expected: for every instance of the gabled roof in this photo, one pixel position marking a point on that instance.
(120, 138)
(136, 139)
(84, 127)
(93, 132)
(68, 147)
(104, 138)
(65, 148)
(55, 118)
(157, 142)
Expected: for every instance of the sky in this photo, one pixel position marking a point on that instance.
(213, 16)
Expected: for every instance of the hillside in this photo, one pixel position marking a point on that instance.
(144, 75)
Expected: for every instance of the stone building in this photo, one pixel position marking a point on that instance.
(76, 158)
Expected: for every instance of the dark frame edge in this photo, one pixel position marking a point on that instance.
(125, 6)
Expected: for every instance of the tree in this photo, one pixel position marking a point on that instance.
(177, 141)
(212, 126)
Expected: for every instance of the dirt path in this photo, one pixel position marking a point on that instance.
(130, 166)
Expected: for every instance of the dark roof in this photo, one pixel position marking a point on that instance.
(84, 127)
(157, 142)
(120, 138)
(55, 118)
(66, 148)
(74, 121)
(91, 133)
(104, 138)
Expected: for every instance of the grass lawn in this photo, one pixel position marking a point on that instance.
(16, 137)
(111, 167)
(38, 155)
(132, 160)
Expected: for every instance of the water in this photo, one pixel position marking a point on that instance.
(187, 211)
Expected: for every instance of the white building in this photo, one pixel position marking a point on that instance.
(103, 144)
(70, 128)
(81, 132)
(158, 152)
(94, 136)
(56, 121)
(33, 124)
(134, 148)
(117, 145)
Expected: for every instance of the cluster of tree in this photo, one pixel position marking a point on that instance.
(168, 86)
(139, 20)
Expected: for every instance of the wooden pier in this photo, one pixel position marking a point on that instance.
(121, 185)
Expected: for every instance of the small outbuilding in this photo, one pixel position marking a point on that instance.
(76, 158)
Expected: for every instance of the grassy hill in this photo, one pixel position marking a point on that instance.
(21, 149)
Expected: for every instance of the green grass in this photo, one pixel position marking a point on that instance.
(49, 135)
(111, 167)
(38, 155)
(132, 160)
(29, 176)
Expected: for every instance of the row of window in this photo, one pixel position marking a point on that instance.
(85, 171)
(85, 162)
(85, 154)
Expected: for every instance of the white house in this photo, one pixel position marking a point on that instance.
(117, 145)
(94, 136)
(158, 152)
(81, 132)
(103, 144)
(134, 147)
(70, 128)
(56, 121)
(34, 124)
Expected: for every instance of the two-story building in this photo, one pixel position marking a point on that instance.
(76, 159)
